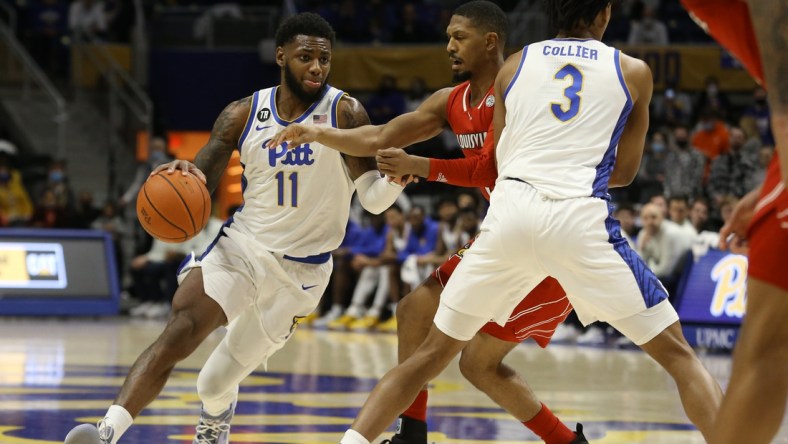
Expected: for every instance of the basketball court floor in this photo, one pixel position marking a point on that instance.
(55, 374)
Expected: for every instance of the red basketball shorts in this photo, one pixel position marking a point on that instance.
(536, 316)
(768, 234)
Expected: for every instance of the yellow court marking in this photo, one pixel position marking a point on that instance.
(12, 440)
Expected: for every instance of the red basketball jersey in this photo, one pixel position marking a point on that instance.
(470, 123)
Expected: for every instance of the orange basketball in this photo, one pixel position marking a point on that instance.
(173, 207)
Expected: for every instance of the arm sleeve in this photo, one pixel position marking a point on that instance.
(375, 192)
(476, 171)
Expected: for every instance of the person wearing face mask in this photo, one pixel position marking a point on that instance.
(15, 205)
(731, 172)
(649, 30)
(711, 138)
(712, 98)
(651, 176)
(756, 119)
(157, 155)
(57, 183)
(685, 175)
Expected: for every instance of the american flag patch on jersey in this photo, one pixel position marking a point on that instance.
(320, 118)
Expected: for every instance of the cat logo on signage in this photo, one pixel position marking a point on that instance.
(32, 265)
(730, 291)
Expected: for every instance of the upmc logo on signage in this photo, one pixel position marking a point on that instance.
(712, 300)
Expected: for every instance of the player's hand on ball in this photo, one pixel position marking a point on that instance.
(295, 135)
(185, 166)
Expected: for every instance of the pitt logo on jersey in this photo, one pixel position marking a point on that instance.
(300, 155)
(730, 293)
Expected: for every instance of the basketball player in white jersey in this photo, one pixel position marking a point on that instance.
(271, 262)
(570, 120)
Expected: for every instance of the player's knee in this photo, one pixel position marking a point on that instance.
(212, 384)
(476, 372)
(180, 337)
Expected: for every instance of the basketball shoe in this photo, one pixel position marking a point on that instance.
(579, 437)
(90, 434)
(214, 429)
(409, 431)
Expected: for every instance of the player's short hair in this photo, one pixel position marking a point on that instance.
(487, 16)
(567, 14)
(679, 198)
(305, 23)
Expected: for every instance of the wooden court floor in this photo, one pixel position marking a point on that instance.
(57, 373)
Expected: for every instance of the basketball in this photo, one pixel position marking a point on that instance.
(173, 207)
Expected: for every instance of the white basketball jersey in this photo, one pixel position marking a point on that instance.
(295, 201)
(566, 108)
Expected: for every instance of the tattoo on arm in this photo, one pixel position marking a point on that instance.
(770, 21)
(353, 115)
(214, 156)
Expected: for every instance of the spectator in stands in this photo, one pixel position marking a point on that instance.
(87, 17)
(662, 204)
(351, 25)
(649, 30)
(157, 155)
(15, 205)
(341, 275)
(678, 210)
(684, 172)
(418, 257)
(732, 173)
(48, 214)
(699, 215)
(411, 28)
(396, 242)
(417, 94)
(84, 211)
(727, 205)
(651, 176)
(711, 99)
(765, 154)
(673, 107)
(662, 244)
(757, 118)
(625, 214)
(373, 275)
(110, 222)
(447, 212)
(58, 182)
(711, 138)
(386, 103)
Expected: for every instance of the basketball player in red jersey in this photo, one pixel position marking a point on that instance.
(754, 404)
(476, 43)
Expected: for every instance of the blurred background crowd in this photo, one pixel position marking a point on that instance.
(706, 148)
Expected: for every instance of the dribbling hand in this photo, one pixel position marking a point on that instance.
(184, 165)
(295, 135)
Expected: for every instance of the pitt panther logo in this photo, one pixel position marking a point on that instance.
(300, 155)
(730, 293)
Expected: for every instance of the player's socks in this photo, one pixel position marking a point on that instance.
(119, 419)
(418, 409)
(353, 437)
(549, 428)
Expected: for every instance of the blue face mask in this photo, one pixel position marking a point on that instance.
(657, 147)
(156, 157)
(56, 176)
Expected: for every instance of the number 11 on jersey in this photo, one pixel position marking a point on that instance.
(280, 180)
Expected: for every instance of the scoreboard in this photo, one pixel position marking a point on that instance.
(57, 272)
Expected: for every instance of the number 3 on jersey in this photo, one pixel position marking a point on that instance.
(280, 180)
(571, 92)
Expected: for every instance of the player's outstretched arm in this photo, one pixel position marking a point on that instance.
(424, 123)
(475, 171)
(770, 21)
(637, 76)
(211, 161)
(375, 192)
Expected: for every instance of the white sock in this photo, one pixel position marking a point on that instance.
(353, 437)
(120, 420)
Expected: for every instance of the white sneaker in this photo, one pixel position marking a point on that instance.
(592, 336)
(214, 429)
(324, 320)
(90, 434)
(141, 309)
(160, 310)
(565, 333)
